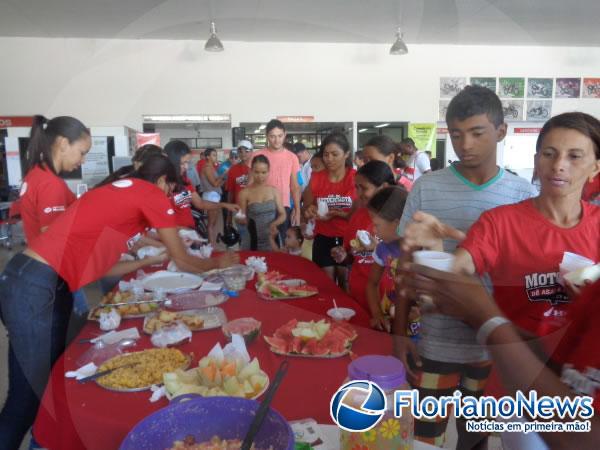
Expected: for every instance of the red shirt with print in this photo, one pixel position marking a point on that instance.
(578, 351)
(521, 250)
(182, 204)
(82, 244)
(237, 179)
(362, 261)
(339, 195)
(44, 196)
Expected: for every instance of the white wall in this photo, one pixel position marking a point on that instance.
(115, 82)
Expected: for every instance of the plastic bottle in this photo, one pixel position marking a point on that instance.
(390, 433)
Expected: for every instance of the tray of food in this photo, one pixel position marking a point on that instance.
(132, 309)
(312, 339)
(195, 300)
(274, 286)
(143, 369)
(194, 319)
(215, 378)
(171, 282)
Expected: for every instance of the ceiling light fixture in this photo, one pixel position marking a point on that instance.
(362, 130)
(262, 127)
(381, 125)
(399, 46)
(214, 43)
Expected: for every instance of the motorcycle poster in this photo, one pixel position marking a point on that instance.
(568, 88)
(539, 87)
(591, 88)
(539, 110)
(486, 82)
(450, 86)
(443, 108)
(513, 110)
(512, 88)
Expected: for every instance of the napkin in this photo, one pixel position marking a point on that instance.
(191, 235)
(158, 392)
(149, 250)
(82, 372)
(112, 337)
(258, 263)
(235, 350)
(109, 320)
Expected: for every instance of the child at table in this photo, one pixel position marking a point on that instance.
(293, 242)
(385, 208)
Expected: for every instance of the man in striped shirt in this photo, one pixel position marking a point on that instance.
(447, 356)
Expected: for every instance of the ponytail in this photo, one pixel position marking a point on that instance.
(43, 134)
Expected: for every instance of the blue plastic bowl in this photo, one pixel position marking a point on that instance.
(205, 417)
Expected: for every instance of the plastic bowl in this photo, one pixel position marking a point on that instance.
(205, 417)
(340, 314)
(235, 278)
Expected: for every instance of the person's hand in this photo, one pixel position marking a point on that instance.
(155, 260)
(403, 346)
(273, 230)
(231, 207)
(574, 291)
(456, 295)
(310, 212)
(295, 217)
(241, 220)
(339, 254)
(426, 231)
(381, 323)
(227, 259)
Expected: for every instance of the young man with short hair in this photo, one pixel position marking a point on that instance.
(417, 163)
(237, 179)
(283, 173)
(304, 159)
(447, 356)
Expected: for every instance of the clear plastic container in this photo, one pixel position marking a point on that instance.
(390, 433)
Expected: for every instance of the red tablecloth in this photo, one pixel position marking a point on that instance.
(85, 416)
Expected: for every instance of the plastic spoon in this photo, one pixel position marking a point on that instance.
(263, 408)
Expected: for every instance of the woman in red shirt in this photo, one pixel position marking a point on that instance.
(186, 196)
(521, 246)
(79, 247)
(369, 179)
(333, 187)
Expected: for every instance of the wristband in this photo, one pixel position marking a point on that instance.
(488, 328)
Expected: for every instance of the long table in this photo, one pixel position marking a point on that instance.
(76, 416)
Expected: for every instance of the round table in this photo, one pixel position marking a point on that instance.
(85, 416)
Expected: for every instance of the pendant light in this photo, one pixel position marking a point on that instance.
(399, 46)
(213, 44)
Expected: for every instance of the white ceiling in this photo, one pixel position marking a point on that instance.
(514, 22)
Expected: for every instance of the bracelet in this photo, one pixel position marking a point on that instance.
(488, 328)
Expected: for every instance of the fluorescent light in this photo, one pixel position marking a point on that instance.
(262, 127)
(362, 130)
(381, 125)
(257, 131)
(224, 118)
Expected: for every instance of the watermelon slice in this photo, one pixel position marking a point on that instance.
(278, 344)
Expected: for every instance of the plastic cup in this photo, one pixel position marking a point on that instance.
(436, 260)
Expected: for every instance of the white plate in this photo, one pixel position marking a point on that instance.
(171, 282)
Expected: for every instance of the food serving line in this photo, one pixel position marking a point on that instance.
(86, 416)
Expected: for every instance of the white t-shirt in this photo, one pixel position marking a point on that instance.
(417, 164)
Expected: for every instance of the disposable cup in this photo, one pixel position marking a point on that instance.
(435, 260)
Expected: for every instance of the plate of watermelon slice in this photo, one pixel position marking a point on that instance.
(322, 339)
(275, 286)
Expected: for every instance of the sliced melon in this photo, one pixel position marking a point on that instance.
(251, 369)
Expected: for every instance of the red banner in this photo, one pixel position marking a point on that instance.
(296, 119)
(147, 138)
(528, 130)
(15, 121)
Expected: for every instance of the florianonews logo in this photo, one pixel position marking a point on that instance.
(358, 405)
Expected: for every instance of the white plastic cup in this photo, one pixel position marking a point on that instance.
(436, 260)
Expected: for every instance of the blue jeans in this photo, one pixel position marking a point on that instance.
(35, 306)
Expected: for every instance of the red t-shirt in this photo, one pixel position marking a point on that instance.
(237, 179)
(82, 244)
(578, 351)
(338, 195)
(404, 181)
(43, 197)
(361, 262)
(521, 250)
(182, 204)
(200, 165)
